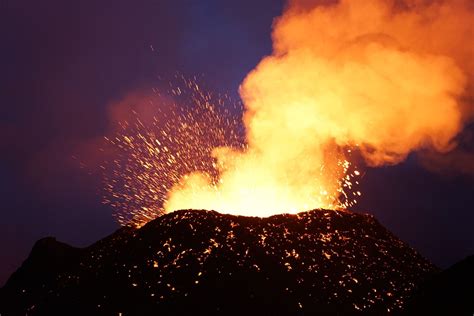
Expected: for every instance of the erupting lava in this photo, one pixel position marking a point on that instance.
(185, 157)
(382, 77)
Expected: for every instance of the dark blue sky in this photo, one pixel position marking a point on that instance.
(61, 64)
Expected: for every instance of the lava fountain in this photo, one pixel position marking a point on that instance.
(382, 77)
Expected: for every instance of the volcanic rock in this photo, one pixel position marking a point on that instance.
(450, 292)
(320, 262)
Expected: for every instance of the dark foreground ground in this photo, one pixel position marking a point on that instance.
(205, 263)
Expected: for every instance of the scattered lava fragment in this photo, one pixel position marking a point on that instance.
(152, 157)
(194, 157)
(317, 262)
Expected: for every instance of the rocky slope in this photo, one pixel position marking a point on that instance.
(203, 262)
(450, 292)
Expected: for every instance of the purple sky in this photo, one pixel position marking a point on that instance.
(62, 63)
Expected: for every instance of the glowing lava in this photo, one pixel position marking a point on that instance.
(255, 186)
(193, 157)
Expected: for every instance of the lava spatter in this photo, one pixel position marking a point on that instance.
(192, 154)
(317, 262)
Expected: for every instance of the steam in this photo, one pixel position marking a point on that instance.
(385, 77)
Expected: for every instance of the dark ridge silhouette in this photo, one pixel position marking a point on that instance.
(320, 262)
(37, 275)
(450, 292)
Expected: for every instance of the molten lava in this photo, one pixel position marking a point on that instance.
(383, 77)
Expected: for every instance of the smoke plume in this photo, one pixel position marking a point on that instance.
(385, 77)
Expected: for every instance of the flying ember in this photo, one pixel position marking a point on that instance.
(342, 76)
(192, 155)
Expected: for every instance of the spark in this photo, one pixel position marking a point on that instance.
(153, 157)
(158, 156)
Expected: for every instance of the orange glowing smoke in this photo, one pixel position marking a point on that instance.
(382, 76)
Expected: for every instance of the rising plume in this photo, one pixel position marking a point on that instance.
(384, 77)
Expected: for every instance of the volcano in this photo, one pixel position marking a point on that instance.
(206, 263)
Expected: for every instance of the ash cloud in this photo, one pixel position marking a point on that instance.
(387, 76)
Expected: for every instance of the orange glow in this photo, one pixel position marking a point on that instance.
(263, 184)
(365, 74)
(381, 77)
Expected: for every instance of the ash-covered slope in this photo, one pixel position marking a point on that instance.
(202, 262)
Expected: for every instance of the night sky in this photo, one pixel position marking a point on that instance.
(62, 65)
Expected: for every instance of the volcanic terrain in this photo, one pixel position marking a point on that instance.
(202, 262)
